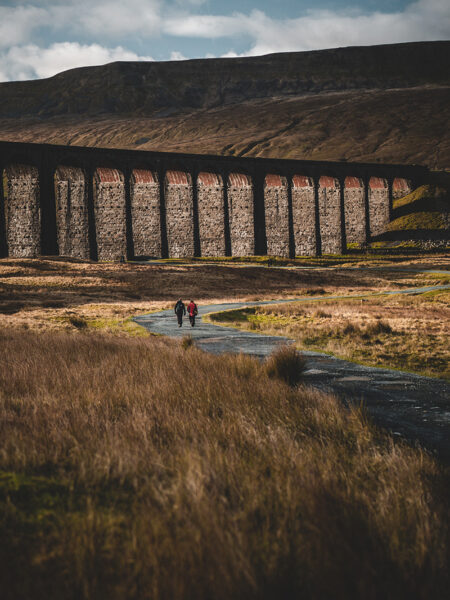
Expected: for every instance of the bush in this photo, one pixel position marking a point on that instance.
(287, 364)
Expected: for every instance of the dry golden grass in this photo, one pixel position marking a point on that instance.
(131, 468)
(404, 332)
(49, 294)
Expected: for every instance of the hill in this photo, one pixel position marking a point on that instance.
(380, 103)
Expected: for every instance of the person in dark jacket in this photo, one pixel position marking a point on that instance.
(180, 310)
(192, 312)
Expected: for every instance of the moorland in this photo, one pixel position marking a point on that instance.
(134, 466)
(376, 104)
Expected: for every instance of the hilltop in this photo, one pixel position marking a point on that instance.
(378, 103)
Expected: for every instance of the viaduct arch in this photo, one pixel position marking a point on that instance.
(103, 203)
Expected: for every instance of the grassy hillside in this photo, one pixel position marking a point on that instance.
(381, 103)
(424, 214)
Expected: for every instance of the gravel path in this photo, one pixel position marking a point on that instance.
(414, 407)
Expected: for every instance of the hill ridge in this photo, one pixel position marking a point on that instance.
(387, 103)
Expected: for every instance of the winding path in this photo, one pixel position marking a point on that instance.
(412, 406)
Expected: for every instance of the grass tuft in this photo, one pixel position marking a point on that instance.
(187, 342)
(378, 328)
(286, 364)
(78, 322)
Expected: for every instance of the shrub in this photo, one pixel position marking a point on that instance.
(287, 364)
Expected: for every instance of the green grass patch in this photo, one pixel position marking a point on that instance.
(419, 220)
(428, 193)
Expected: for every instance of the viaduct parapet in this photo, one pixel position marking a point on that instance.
(102, 204)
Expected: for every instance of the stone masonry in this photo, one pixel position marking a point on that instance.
(71, 212)
(109, 207)
(304, 215)
(276, 207)
(401, 187)
(378, 205)
(179, 214)
(211, 218)
(330, 215)
(355, 212)
(241, 214)
(22, 211)
(145, 213)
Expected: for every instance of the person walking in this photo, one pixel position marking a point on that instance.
(192, 312)
(180, 310)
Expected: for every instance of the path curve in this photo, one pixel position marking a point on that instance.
(412, 406)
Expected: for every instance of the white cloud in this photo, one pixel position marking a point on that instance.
(104, 19)
(206, 26)
(30, 61)
(175, 55)
(111, 18)
(422, 20)
(17, 23)
(47, 36)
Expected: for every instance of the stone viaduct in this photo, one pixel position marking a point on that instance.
(102, 204)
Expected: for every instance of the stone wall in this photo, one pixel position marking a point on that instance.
(22, 211)
(110, 214)
(401, 187)
(378, 205)
(145, 213)
(330, 215)
(276, 207)
(241, 214)
(211, 218)
(355, 212)
(179, 214)
(304, 215)
(71, 212)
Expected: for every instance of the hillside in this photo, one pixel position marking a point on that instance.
(381, 103)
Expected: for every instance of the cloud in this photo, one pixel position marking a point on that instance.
(46, 36)
(30, 61)
(207, 26)
(117, 18)
(17, 23)
(175, 55)
(103, 19)
(422, 20)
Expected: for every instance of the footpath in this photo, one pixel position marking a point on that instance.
(411, 406)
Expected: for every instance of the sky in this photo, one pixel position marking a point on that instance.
(39, 38)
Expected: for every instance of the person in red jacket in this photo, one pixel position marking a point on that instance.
(192, 312)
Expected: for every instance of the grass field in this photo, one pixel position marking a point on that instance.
(135, 469)
(60, 294)
(402, 332)
(138, 467)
